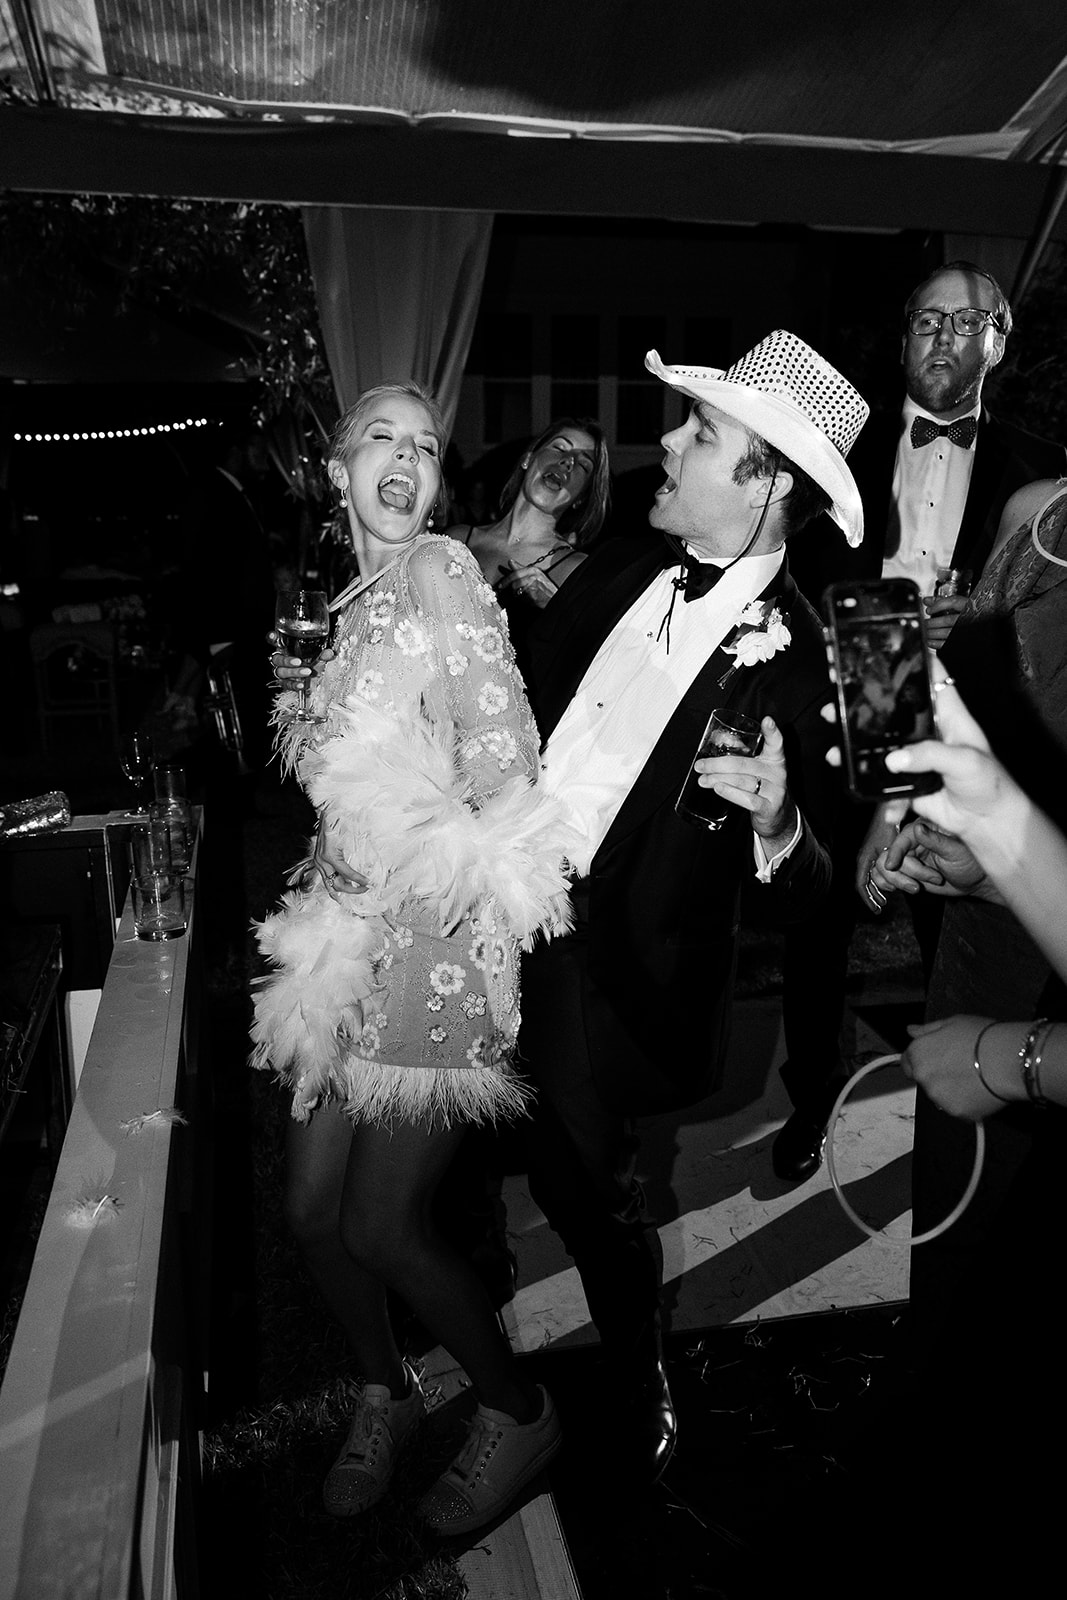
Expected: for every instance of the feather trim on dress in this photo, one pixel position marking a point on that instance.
(388, 788)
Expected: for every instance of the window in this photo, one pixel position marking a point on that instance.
(529, 367)
(502, 352)
(639, 417)
(574, 357)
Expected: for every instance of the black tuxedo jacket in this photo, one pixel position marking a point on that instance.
(663, 895)
(1005, 459)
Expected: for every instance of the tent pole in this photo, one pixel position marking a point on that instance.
(1029, 263)
(37, 63)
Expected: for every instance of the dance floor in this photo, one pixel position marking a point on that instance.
(738, 1244)
(781, 1313)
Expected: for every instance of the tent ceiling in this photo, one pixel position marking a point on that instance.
(886, 114)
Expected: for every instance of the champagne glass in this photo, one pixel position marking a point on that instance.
(302, 623)
(136, 758)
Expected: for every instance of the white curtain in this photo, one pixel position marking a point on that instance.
(398, 293)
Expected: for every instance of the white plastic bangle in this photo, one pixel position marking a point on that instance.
(865, 1227)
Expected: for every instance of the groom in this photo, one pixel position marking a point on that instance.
(628, 1015)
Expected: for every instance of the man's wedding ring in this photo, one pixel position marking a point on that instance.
(759, 786)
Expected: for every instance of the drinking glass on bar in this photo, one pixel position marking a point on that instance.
(170, 802)
(302, 623)
(156, 888)
(158, 907)
(728, 733)
(135, 758)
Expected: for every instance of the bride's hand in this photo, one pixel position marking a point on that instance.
(289, 671)
(336, 874)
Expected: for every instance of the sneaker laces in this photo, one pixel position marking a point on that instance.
(368, 1426)
(480, 1442)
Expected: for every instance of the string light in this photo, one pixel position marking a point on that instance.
(114, 433)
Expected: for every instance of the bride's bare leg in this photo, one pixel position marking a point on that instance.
(387, 1226)
(317, 1156)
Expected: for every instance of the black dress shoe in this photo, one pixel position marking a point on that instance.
(643, 1424)
(798, 1145)
(797, 1149)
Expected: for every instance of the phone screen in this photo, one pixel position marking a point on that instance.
(884, 691)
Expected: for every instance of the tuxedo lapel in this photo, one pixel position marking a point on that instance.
(975, 538)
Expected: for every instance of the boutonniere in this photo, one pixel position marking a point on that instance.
(760, 632)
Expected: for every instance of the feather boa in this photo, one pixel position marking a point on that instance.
(312, 1005)
(389, 791)
(399, 812)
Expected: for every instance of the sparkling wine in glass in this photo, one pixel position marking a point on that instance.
(136, 758)
(302, 623)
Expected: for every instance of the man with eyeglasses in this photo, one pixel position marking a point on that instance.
(934, 479)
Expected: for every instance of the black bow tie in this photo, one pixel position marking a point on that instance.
(696, 577)
(962, 432)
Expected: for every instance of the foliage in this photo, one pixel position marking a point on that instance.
(242, 268)
(1030, 385)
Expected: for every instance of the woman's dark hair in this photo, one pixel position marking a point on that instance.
(582, 520)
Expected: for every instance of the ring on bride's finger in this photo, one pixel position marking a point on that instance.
(945, 683)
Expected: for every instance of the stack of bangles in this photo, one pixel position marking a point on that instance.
(1030, 1052)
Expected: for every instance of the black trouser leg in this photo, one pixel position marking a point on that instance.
(583, 1160)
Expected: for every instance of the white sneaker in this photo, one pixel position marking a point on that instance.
(380, 1427)
(500, 1457)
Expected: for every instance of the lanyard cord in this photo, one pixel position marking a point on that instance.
(678, 583)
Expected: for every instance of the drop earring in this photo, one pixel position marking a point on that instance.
(429, 524)
(344, 497)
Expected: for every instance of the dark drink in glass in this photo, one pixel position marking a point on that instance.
(727, 733)
(303, 640)
(302, 624)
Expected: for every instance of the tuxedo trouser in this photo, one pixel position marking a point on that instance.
(583, 1157)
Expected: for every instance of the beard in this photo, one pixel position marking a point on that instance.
(947, 388)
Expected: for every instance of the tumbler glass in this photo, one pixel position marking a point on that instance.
(728, 733)
(170, 802)
(158, 906)
(952, 581)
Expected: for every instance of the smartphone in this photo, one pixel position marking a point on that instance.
(876, 642)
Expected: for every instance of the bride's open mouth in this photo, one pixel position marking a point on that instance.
(398, 491)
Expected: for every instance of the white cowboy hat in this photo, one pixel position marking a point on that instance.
(784, 391)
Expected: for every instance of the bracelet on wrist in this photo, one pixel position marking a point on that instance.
(988, 1087)
(1030, 1059)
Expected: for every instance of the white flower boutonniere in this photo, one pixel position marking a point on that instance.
(761, 631)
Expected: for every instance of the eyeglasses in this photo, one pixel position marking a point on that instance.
(967, 321)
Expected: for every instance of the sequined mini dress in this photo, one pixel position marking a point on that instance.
(403, 1002)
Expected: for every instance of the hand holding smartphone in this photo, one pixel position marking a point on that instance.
(877, 646)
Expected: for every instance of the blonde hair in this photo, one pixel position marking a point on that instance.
(351, 423)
